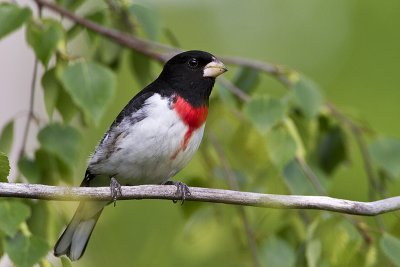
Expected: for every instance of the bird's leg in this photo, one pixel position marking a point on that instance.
(115, 188)
(182, 190)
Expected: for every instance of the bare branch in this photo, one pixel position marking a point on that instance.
(234, 90)
(162, 52)
(145, 47)
(38, 191)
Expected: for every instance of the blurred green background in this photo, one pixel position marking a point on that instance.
(350, 48)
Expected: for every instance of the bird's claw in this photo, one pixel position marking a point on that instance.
(182, 191)
(116, 190)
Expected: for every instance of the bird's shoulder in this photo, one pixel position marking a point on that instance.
(139, 101)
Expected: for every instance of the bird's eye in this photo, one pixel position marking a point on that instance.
(193, 63)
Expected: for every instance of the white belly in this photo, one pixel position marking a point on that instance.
(150, 151)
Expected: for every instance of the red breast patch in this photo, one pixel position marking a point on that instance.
(193, 117)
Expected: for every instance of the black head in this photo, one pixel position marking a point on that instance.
(192, 75)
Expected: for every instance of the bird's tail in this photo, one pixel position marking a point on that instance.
(75, 237)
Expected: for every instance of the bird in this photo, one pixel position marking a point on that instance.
(154, 136)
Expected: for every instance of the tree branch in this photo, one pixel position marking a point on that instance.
(158, 51)
(145, 47)
(47, 192)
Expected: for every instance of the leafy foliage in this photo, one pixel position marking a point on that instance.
(91, 87)
(270, 143)
(278, 253)
(307, 97)
(12, 214)
(4, 167)
(147, 19)
(30, 169)
(247, 79)
(25, 251)
(6, 137)
(265, 112)
(44, 36)
(332, 145)
(281, 146)
(386, 154)
(12, 17)
(391, 247)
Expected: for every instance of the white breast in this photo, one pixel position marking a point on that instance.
(150, 151)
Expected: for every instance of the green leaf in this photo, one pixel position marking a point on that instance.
(6, 137)
(51, 88)
(108, 53)
(99, 17)
(385, 152)
(26, 251)
(308, 97)
(59, 152)
(70, 4)
(30, 169)
(340, 241)
(313, 252)
(331, 149)
(4, 167)
(48, 164)
(296, 180)
(42, 221)
(277, 252)
(63, 142)
(247, 79)
(281, 146)
(12, 17)
(91, 87)
(55, 96)
(226, 97)
(66, 106)
(148, 20)
(44, 37)
(390, 245)
(12, 214)
(265, 112)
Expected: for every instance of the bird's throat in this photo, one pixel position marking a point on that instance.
(193, 117)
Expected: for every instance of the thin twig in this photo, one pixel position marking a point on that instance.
(366, 158)
(280, 72)
(162, 52)
(122, 14)
(144, 47)
(233, 184)
(234, 89)
(311, 176)
(358, 135)
(31, 105)
(31, 115)
(38, 191)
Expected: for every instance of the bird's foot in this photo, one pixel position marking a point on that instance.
(182, 191)
(116, 190)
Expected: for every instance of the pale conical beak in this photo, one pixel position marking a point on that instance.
(214, 69)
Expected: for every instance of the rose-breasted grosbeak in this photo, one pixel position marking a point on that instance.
(152, 139)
